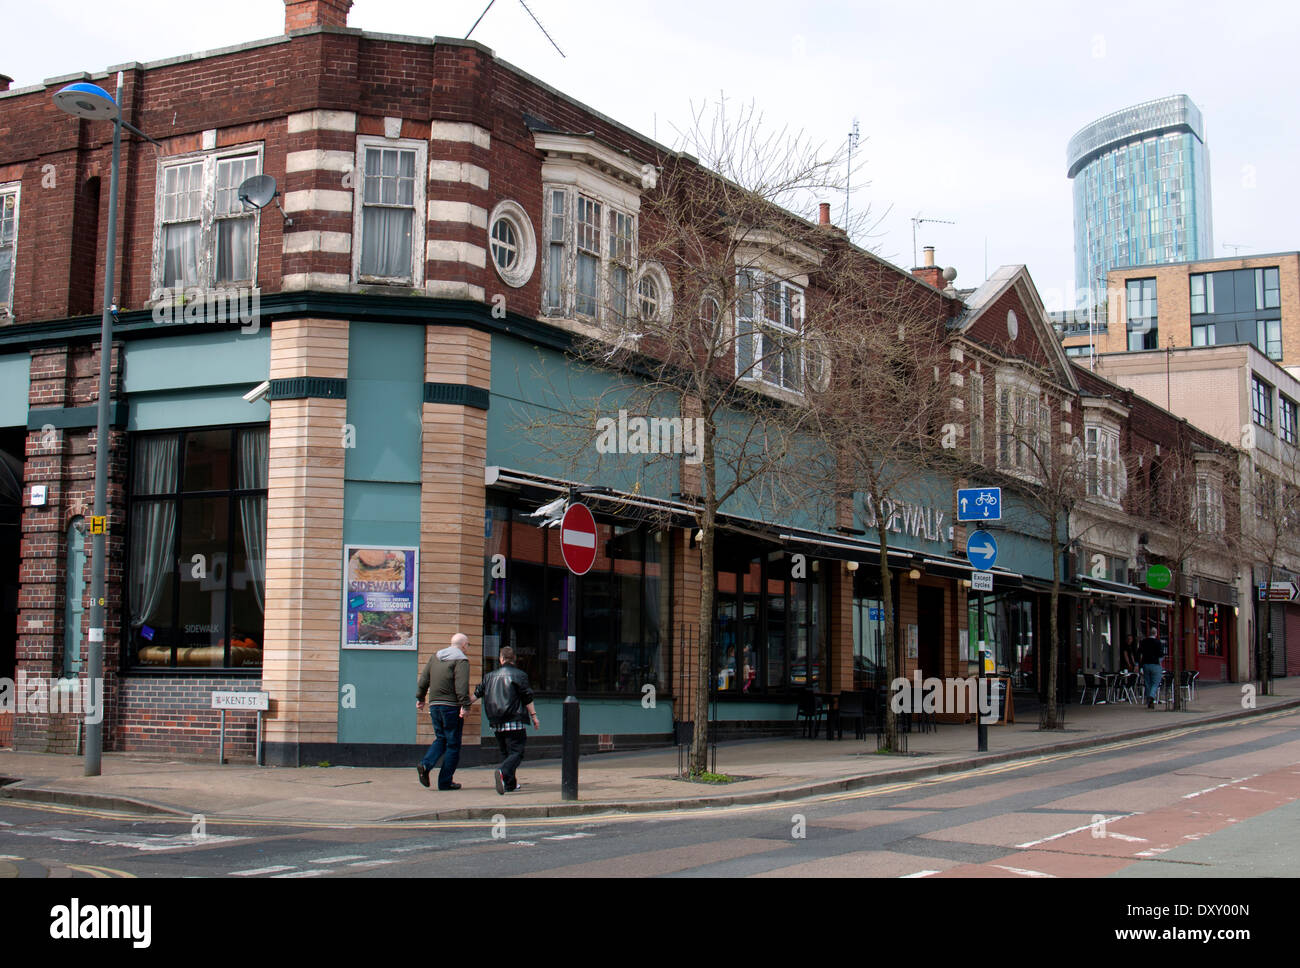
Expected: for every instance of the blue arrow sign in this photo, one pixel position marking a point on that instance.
(982, 550)
(979, 504)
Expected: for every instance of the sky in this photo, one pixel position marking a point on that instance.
(964, 108)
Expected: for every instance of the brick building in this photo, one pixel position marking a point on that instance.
(1210, 302)
(320, 537)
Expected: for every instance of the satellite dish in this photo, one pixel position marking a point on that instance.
(257, 190)
(87, 101)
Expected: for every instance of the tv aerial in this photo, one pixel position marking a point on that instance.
(917, 220)
(530, 13)
(260, 190)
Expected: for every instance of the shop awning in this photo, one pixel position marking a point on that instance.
(1116, 589)
(956, 568)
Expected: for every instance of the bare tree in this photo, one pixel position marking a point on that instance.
(883, 415)
(704, 314)
(1270, 533)
(1181, 492)
(1050, 476)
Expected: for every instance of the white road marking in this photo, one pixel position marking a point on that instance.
(407, 850)
(261, 870)
(1023, 871)
(301, 874)
(919, 874)
(372, 863)
(145, 843)
(340, 859)
(568, 836)
(1218, 786)
(1132, 840)
(1066, 833)
(522, 843)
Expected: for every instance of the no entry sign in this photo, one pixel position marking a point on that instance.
(578, 539)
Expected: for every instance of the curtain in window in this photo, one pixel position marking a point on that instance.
(181, 255)
(252, 474)
(235, 249)
(386, 242)
(153, 526)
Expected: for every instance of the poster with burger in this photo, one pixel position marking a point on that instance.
(379, 586)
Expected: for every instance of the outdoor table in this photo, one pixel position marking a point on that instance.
(830, 700)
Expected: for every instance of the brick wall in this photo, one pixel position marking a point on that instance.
(173, 715)
(64, 461)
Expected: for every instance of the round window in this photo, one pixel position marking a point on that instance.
(505, 244)
(512, 243)
(648, 290)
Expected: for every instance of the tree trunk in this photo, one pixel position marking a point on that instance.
(1176, 639)
(708, 587)
(1054, 633)
(891, 658)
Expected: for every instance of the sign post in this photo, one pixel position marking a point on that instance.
(982, 552)
(578, 546)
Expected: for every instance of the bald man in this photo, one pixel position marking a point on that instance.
(445, 680)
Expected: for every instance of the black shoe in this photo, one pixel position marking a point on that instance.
(423, 770)
(450, 786)
(500, 781)
(516, 788)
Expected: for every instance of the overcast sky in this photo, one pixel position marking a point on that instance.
(964, 108)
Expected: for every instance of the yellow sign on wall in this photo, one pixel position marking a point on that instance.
(98, 524)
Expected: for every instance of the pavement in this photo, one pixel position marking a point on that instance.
(766, 771)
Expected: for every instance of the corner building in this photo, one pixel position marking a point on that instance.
(410, 314)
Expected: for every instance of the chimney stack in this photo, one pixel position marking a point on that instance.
(302, 14)
(930, 272)
(824, 216)
(5, 81)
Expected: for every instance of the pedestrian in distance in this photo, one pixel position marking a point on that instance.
(507, 700)
(1150, 653)
(445, 680)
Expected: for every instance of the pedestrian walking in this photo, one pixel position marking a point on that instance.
(445, 680)
(508, 704)
(1150, 652)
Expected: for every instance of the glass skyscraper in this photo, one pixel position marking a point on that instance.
(1141, 190)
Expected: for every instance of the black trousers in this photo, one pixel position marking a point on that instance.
(511, 742)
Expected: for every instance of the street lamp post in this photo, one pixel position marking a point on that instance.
(93, 103)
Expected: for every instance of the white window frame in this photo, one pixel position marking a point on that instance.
(654, 274)
(565, 238)
(418, 209)
(1023, 412)
(11, 190)
(1101, 451)
(521, 270)
(769, 320)
(977, 417)
(208, 219)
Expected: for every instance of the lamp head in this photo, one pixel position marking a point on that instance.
(89, 101)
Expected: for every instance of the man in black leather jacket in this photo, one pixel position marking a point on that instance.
(507, 696)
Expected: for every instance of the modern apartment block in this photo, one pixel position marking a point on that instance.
(1240, 396)
(1141, 189)
(1212, 302)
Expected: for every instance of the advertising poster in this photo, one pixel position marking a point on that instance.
(379, 589)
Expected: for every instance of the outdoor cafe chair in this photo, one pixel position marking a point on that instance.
(852, 706)
(811, 712)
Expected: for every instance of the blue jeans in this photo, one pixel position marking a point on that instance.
(1152, 674)
(447, 726)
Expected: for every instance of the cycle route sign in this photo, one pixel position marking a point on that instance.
(979, 504)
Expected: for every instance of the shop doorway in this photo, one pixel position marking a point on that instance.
(929, 631)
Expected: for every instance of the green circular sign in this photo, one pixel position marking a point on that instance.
(1158, 576)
